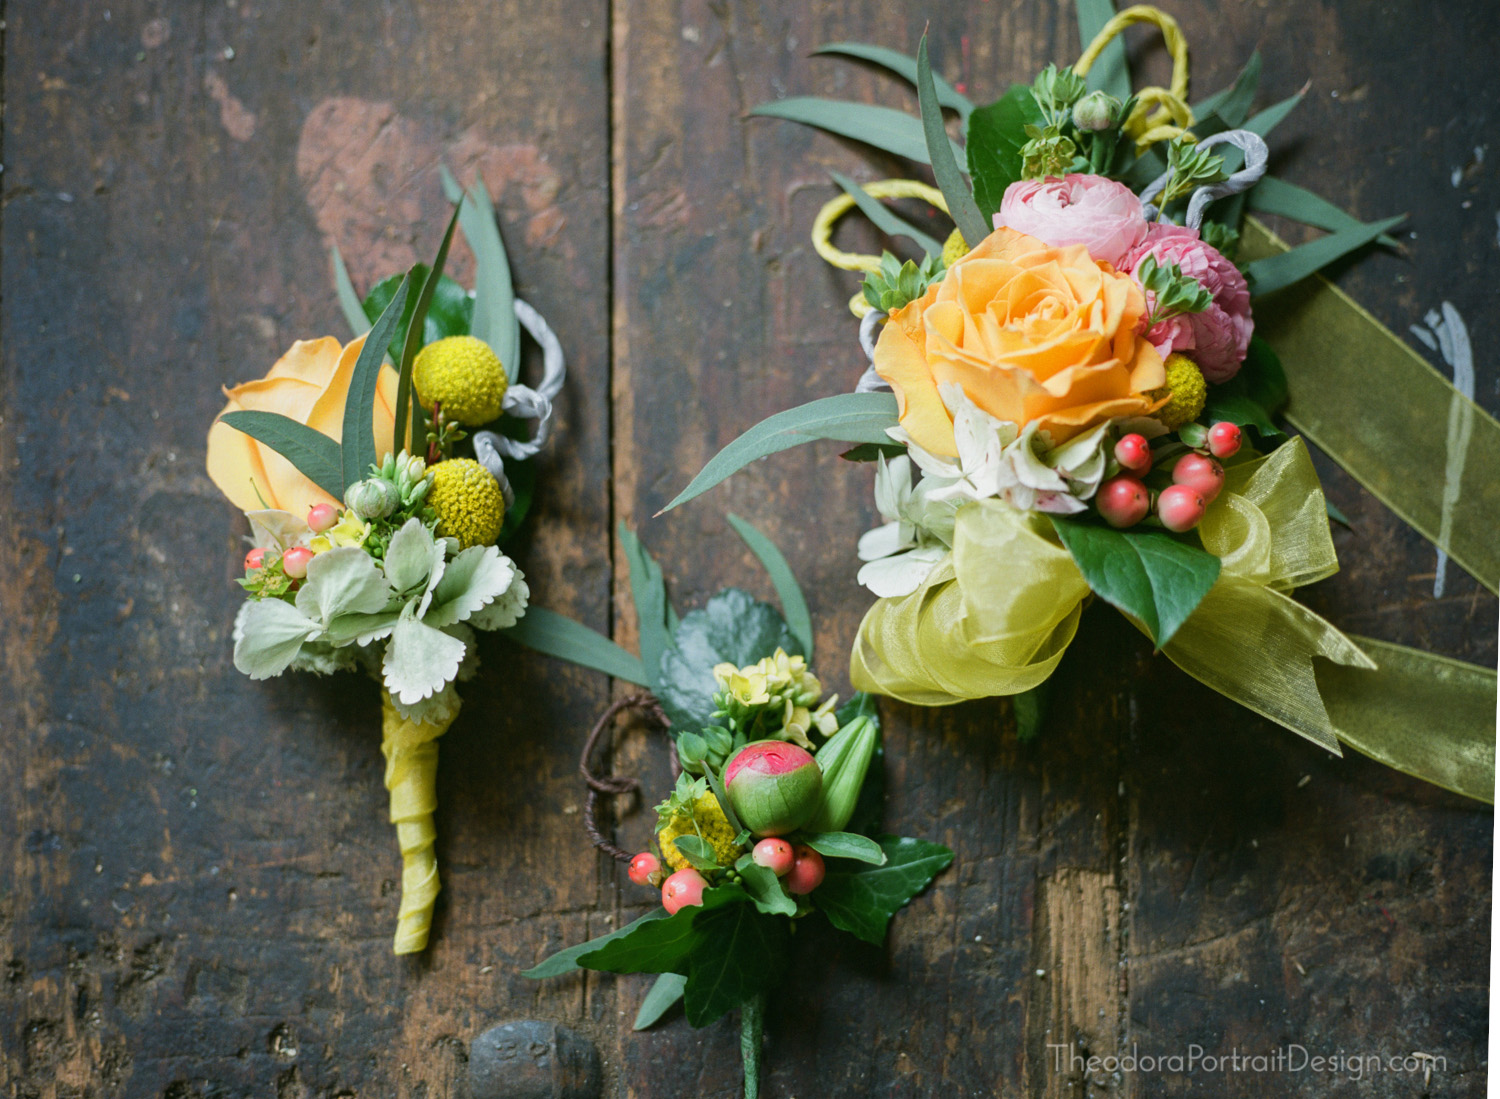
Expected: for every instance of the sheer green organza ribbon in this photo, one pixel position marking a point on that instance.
(997, 614)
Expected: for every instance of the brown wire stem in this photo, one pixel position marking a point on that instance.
(649, 708)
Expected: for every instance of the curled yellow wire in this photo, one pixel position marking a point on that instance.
(828, 216)
(1172, 115)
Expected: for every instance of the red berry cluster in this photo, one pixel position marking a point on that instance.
(800, 865)
(1124, 500)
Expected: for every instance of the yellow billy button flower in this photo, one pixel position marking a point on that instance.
(468, 502)
(955, 248)
(350, 530)
(462, 374)
(707, 820)
(1187, 390)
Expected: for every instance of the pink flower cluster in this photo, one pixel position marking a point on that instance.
(1106, 217)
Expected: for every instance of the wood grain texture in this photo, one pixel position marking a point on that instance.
(198, 887)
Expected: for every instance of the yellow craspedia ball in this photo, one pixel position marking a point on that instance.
(711, 823)
(954, 248)
(468, 501)
(462, 374)
(1186, 387)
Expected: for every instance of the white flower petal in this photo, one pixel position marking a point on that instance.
(894, 577)
(882, 542)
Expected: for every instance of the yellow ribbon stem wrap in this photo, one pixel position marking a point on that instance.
(996, 615)
(411, 754)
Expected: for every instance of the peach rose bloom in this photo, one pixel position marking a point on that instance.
(309, 383)
(1030, 333)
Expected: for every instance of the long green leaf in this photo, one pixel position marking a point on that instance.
(414, 334)
(315, 455)
(793, 602)
(566, 961)
(1268, 119)
(1232, 105)
(1275, 272)
(358, 448)
(887, 129)
(649, 590)
(884, 218)
(354, 313)
(664, 993)
(848, 417)
(1111, 73)
(494, 294)
(1277, 196)
(558, 635)
(904, 66)
(961, 206)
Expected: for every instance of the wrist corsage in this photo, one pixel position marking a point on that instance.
(775, 813)
(375, 517)
(1080, 394)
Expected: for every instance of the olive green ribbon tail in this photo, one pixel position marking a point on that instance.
(411, 753)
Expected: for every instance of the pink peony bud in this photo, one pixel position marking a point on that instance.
(1123, 501)
(1180, 507)
(807, 870)
(294, 561)
(1203, 475)
(1224, 439)
(644, 867)
(255, 559)
(683, 889)
(775, 855)
(322, 516)
(774, 786)
(1134, 453)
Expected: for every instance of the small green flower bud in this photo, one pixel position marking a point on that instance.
(372, 499)
(1096, 111)
(415, 468)
(845, 760)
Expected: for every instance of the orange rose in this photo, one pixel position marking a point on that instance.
(1030, 333)
(309, 383)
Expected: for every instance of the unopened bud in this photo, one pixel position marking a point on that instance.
(773, 786)
(1097, 111)
(372, 499)
(844, 760)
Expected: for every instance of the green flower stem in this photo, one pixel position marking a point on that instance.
(752, 1030)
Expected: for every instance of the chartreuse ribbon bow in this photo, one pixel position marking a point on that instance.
(997, 614)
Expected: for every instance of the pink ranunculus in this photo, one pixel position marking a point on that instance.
(1218, 337)
(1102, 215)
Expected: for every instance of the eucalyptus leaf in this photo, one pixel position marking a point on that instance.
(1232, 104)
(945, 158)
(1149, 575)
(341, 581)
(270, 633)
(845, 845)
(666, 991)
(315, 455)
(862, 901)
(476, 577)
(765, 890)
(884, 219)
(793, 602)
(419, 660)
(408, 557)
(358, 447)
(904, 66)
(847, 417)
(1268, 119)
(566, 961)
(1276, 272)
(649, 590)
(414, 337)
(996, 134)
(1277, 196)
(557, 635)
(889, 130)
(732, 627)
(348, 297)
(741, 953)
(494, 317)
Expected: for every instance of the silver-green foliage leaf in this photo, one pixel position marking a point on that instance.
(420, 660)
(408, 558)
(340, 581)
(269, 634)
(476, 577)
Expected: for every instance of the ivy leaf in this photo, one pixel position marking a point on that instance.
(765, 889)
(996, 135)
(845, 845)
(863, 901)
(566, 961)
(1149, 575)
(664, 945)
(741, 952)
(697, 852)
(732, 627)
(664, 993)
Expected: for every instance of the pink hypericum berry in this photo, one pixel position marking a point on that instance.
(683, 889)
(1123, 501)
(775, 855)
(255, 559)
(1224, 439)
(644, 867)
(294, 561)
(807, 870)
(1180, 507)
(1203, 475)
(322, 516)
(1134, 453)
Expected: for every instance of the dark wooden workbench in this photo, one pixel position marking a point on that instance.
(198, 885)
